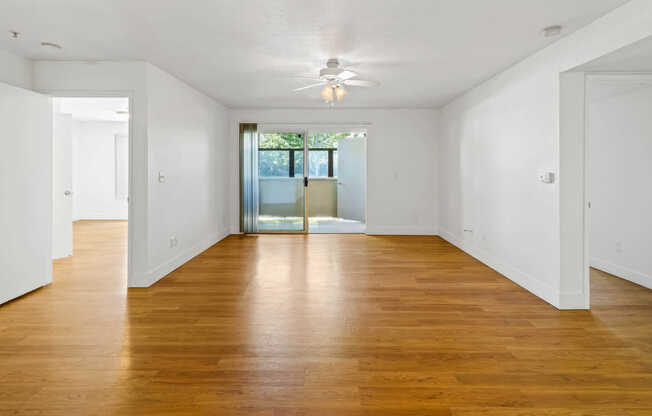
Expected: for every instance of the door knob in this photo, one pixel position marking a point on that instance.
(67, 193)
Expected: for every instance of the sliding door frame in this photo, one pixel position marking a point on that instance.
(262, 129)
(305, 129)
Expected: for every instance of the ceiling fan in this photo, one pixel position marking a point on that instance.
(334, 78)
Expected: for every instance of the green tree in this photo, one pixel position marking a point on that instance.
(325, 140)
(280, 141)
(276, 162)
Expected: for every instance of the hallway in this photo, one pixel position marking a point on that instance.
(318, 325)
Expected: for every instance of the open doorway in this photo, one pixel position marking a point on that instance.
(91, 182)
(605, 177)
(619, 180)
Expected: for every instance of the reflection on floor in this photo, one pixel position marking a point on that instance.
(318, 325)
(317, 225)
(609, 290)
(330, 225)
(273, 223)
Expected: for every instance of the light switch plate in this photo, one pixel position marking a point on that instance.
(547, 177)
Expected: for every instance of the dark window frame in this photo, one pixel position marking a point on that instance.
(291, 159)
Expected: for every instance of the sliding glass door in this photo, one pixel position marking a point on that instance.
(302, 181)
(336, 179)
(281, 187)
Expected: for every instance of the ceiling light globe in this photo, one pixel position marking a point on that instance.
(340, 92)
(327, 93)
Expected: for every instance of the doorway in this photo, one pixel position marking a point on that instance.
(618, 153)
(302, 180)
(90, 179)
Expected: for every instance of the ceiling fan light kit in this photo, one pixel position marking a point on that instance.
(340, 92)
(327, 93)
(334, 78)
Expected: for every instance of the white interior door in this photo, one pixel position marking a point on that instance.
(62, 186)
(25, 191)
(351, 179)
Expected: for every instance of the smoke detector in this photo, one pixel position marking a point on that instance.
(551, 31)
(51, 45)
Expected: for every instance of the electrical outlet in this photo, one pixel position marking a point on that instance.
(619, 247)
(173, 242)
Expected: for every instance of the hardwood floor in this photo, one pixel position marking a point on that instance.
(318, 325)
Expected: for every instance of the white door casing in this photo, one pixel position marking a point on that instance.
(62, 186)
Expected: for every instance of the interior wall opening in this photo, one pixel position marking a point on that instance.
(604, 174)
(619, 179)
(91, 187)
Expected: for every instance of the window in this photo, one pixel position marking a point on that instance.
(280, 155)
(298, 162)
(273, 163)
(323, 154)
(318, 166)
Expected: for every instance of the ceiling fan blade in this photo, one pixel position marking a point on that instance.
(311, 77)
(308, 86)
(346, 74)
(361, 83)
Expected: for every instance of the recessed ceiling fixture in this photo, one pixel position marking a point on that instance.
(13, 34)
(335, 79)
(551, 31)
(51, 45)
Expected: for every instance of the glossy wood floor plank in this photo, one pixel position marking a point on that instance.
(318, 325)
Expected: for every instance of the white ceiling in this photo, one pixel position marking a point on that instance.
(633, 58)
(95, 109)
(245, 52)
(624, 71)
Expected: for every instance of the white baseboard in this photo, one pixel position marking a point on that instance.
(154, 275)
(572, 301)
(101, 218)
(622, 272)
(522, 279)
(398, 230)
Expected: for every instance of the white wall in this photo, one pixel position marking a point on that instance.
(494, 141)
(175, 129)
(94, 170)
(25, 191)
(187, 142)
(619, 131)
(402, 193)
(15, 70)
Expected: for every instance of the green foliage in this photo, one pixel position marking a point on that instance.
(325, 141)
(276, 163)
(295, 141)
(280, 141)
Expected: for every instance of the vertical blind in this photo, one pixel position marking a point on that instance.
(249, 178)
